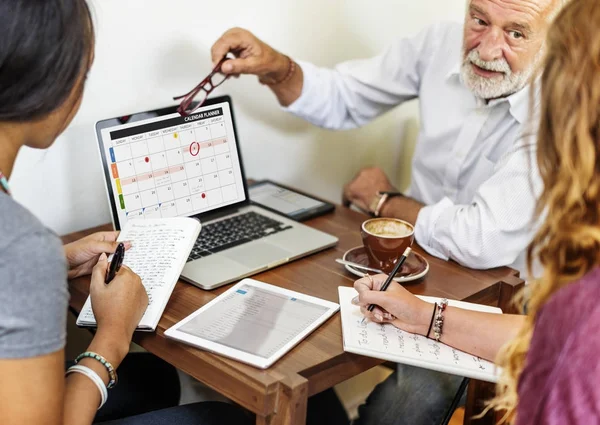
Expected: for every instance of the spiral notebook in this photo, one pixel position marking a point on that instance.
(392, 344)
(160, 248)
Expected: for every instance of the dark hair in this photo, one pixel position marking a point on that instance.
(45, 45)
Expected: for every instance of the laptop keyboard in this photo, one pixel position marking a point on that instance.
(234, 231)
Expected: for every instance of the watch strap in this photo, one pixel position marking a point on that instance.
(391, 194)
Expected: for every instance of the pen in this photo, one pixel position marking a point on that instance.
(390, 278)
(116, 262)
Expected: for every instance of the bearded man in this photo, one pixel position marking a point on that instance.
(474, 181)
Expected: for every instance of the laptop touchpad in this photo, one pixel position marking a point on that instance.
(256, 254)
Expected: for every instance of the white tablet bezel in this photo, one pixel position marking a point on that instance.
(257, 361)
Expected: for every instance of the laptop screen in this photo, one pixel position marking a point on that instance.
(168, 165)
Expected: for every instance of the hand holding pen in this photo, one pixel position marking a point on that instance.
(396, 305)
(389, 278)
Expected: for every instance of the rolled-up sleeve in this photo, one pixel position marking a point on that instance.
(358, 91)
(496, 227)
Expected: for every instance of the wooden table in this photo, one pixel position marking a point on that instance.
(279, 395)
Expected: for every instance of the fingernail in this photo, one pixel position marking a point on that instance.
(226, 67)
(103, 257)
(355, 300)
(388, 316)
(127, 244)
(378, 317)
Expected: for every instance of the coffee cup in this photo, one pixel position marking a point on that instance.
(385, 240)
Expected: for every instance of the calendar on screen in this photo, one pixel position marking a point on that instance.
(174, 166)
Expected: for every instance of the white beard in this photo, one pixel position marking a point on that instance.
(501, 86)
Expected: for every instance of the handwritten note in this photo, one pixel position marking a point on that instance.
(392, 344)
(159, 250)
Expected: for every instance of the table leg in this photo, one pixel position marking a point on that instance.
(477, 393)
(292, 402)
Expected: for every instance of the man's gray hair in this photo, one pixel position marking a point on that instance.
(558, 5)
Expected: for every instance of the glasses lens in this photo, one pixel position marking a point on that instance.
(217, 79)
(195, 102)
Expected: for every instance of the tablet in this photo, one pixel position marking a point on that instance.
(286, 201)
(253, 322)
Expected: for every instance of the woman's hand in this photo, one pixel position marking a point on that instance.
(83, 254)
(118, 308)
(396, 305)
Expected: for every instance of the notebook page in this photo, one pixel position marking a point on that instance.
(390, 343)
(159, 250)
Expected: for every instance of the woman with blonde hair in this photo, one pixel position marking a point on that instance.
(552, 372)
(549, 357)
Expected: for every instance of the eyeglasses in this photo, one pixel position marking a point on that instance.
(196, 98)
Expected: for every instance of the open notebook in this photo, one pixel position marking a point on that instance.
(160, 249)
(390, 343)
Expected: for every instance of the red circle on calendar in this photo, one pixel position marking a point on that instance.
(195, 148)
(203, 195)
(147, 159)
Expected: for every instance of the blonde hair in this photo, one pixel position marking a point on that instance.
(568, 242)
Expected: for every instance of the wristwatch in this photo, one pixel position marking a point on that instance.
(380, 199)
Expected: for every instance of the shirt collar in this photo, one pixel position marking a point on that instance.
(454, 72)
(519, 101)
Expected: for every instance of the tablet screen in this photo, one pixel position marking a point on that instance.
(254, 320)
(283, 200)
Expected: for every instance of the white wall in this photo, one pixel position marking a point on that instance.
(149, 50)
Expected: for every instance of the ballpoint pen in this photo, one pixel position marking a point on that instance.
(116, 263)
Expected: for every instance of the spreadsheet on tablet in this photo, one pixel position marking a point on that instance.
(254, 320)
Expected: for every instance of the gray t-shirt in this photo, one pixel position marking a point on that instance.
(33, 285)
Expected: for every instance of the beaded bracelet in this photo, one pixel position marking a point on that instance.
(439, 319)
(290, 72)
(112, 374)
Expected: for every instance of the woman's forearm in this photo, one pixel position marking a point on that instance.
(82, 397)
(478, 333)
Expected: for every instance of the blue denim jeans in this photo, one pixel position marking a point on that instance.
(411, 396)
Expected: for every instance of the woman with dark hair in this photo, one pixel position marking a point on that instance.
(46, 50)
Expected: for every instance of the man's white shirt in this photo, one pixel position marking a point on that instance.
(472, 166)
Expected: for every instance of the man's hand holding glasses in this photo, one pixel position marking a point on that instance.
(240, 52)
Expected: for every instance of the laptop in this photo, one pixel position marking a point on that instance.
(160, 164)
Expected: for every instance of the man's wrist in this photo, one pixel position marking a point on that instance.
(382, 200)
(279, 72)
(377, 203)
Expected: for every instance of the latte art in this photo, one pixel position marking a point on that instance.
(388, 228)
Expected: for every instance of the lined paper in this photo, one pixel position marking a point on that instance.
(160, 248)
(385, 341)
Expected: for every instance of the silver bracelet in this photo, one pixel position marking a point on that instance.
(439, 319)
(94, 377)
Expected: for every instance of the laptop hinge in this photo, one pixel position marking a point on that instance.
(219, 214)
